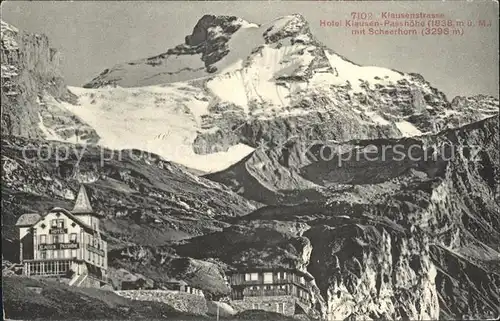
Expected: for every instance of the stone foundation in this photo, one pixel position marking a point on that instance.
(181, 301)
(281, 304)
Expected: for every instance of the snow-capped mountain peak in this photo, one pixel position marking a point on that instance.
(233, 84)
(287, 26)
(217, 44)
(203, 53)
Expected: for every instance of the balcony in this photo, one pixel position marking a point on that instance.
(264, 292)
(247, 292)
(47, 268)
(61, 268)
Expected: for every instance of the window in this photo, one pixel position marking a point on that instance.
(256, 306)
(72, 238)
(268, 277)
(73, 253)
(284, 275)
(251, 276)
(54, 223)
(60, 223)
(56, 254)
(88, 257)
(43, 255)
(302, 280)
(280, 307)
(56, 239)
(43, 239)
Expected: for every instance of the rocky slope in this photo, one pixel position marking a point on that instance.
(33, 88)
(48, 300)
(415, 238)
(393, 238)
(146, 200)
(384, 237)
(273, 175)
(51, 300)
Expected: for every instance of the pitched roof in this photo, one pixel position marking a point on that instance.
(85, 226)
(28, 219)
(82, 203)
(33, 218)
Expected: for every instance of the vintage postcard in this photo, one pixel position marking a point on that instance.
(250, 160)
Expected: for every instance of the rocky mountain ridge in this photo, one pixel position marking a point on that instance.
(285, 85)
(273, 175)
(416, 239)
(412, 240)
(208, 43)
(32, 89)
(383, 238)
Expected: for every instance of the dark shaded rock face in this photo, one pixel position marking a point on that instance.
(416, 238)
(31, 80)
(290, 143)
(162, 265)
(210, 37)
(201, 33)
(213, 41)
(209, 40)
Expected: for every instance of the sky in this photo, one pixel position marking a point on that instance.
(95, 35)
